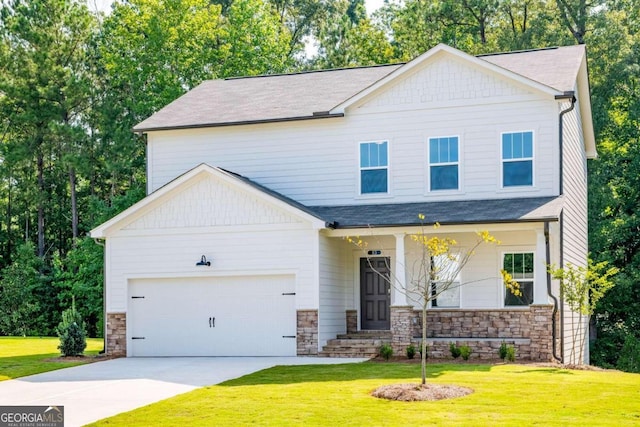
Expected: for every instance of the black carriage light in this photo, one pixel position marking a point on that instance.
(203, 261)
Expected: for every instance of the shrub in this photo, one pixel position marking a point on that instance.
(511, 353)
(386, 351)
(426, 356)
(411, 351)
(71, 331)
(455, 350)
(629, 360)
(502, 351)
(465, 352)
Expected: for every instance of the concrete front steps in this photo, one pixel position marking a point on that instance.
(356, 344)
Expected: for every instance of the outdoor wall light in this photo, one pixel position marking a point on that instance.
(203, 261)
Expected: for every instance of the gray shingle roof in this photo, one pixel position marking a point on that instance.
(454, 212)
(300, 95)
(264, 98)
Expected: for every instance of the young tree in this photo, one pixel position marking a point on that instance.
(581, 288)
(436, 271)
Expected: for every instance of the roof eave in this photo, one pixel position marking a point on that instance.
(450, 223)
(316, 115)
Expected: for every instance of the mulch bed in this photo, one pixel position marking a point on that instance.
(418, 392)
(86, 359)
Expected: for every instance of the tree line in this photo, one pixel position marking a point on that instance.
(73, 83)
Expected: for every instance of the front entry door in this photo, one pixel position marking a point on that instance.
(374, 294)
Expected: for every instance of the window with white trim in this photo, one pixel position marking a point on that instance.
(517, 159)
(520, 266)
(443, 163)
(374, 167)
(445, 290)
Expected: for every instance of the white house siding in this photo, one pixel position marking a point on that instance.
(316, 161)
(574, 222)
(238, 232)
(335, 288)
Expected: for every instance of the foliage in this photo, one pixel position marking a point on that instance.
(18, 293)
(581, 289)
(22, 356)
(465, 352)
(71, 331)
(386, 351)
(411, 351)
(511, 354)
(455, 350)
(502, 351)
(629, 360)
(312, 395)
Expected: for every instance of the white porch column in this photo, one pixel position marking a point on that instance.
(399, 285)
(540, 295)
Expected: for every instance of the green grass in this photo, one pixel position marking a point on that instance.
(338, 395)
(21, 356)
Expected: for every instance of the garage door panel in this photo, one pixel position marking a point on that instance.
(234, 316)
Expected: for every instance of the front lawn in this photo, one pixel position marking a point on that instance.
(21, 356)
(338, 395)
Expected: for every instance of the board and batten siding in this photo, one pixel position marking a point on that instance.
(335, 289)
(315, 162)
(574, 226)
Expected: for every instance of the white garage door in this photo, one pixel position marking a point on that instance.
(218, 316)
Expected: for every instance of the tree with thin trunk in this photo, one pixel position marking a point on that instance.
(435, 272)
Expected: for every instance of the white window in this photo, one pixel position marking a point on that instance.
(444, 168)
(517, 159)
(374, 167)
(520, 266)
(445, 290)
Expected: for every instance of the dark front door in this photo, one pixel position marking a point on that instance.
(374, 293)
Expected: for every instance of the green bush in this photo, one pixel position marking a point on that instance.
(72, 333)
(411, 351)
(511, 353)
(465, 352)
(629, 360)
(386, 351)
(426, 356)
(502, 351)
(455, 350)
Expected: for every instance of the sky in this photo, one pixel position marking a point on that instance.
(104, 5)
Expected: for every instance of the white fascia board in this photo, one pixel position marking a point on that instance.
(148, 202)
(584, 103)
(431, 54)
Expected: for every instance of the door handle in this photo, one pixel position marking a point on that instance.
(209, 321)
(214, 321)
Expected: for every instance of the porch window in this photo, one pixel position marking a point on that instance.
(443, 163)
(520, 266)
(374, 165)
(517, 159)
(445, 290)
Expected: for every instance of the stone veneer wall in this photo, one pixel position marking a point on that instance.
(307, 333)
(401, 327)
(484, 330)
(352, 321)
(116, 334)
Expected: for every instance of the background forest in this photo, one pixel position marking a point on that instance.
(74, 82)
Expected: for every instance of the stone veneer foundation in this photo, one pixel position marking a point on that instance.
(529, 330)
(116, 334)
(307, 333)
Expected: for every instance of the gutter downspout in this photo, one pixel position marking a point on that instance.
(104, 296)
(555, 300)
(571, 96)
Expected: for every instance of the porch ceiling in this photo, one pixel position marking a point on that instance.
(493, 211)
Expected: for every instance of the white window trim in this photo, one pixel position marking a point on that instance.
(532, 158)
(533, 279)
(459, 163)
(359, 193)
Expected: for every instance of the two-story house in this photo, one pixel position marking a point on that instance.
(253, 184)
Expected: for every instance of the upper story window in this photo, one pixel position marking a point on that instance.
(520, 266)
(374, 167)
(443, 163)
(517, 159)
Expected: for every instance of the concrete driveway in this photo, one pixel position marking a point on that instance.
(102, 389)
